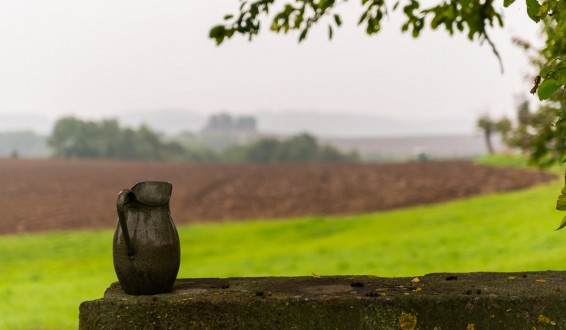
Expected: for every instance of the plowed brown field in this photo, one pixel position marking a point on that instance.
(40, 195)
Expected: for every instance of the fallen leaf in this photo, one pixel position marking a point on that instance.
(407, 321)
(315, 275)
(544, 319)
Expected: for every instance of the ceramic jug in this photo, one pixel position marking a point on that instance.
(146, 245)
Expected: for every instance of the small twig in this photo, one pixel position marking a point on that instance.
(494, 49)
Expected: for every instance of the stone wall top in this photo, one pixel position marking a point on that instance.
(435, 301)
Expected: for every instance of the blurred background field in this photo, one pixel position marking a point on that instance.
(44, 277)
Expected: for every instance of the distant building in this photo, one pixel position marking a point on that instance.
(222, 130)
(226, 124)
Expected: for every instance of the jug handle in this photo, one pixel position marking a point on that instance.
(123, 199)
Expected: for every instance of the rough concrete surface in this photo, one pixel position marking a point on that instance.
(532, 300)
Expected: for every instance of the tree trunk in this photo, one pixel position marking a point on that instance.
(488, 142)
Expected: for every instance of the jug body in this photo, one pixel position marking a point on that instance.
(146, 247)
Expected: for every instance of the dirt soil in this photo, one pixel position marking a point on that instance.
(41, 195)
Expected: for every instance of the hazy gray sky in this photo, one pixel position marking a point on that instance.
(101, 58)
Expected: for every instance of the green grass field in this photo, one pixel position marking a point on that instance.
(510, 160)
(43, 278)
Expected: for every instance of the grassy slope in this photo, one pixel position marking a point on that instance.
(43, 278)
(510, 160)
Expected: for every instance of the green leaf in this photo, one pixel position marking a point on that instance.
(436, 21)
(545, 70)
(547, 88)
(507, 3)
(330, 32)
(562, 224)
(337, 19)
(560, 75)
(561, 203)
(363, 17)
(227, 17)
(303, 34)
(217, 33)
(543, 10)
(532, 9)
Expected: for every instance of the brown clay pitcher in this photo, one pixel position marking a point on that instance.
(146, 247)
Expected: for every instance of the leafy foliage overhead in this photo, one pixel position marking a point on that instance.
(471, 17)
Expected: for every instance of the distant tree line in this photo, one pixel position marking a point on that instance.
(299, 148)
(75, 138)
(106, 139)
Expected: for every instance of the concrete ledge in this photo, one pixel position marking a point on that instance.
(533, 300)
